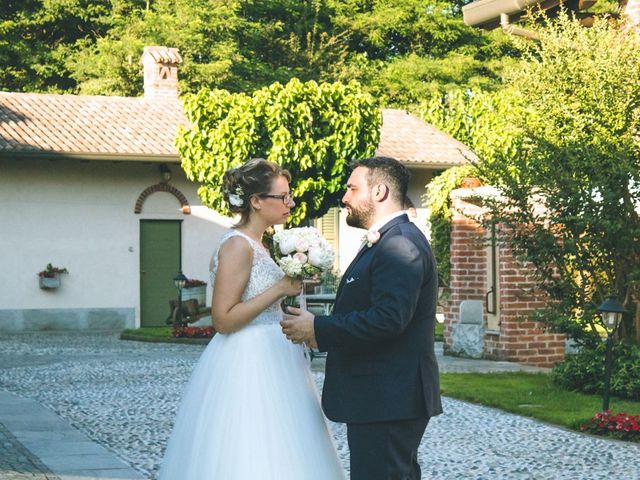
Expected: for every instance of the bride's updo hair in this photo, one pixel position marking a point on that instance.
(254, 177)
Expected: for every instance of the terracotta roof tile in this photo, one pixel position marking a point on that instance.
(413, 141)
(116, 127)
(92, 125)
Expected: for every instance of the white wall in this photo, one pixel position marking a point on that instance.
(80, 215)
(351, 238)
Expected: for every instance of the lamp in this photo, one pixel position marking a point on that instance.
(179, 281)
(611, 312)
(165, 172)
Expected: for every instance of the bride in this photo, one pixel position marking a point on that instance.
(250, 410)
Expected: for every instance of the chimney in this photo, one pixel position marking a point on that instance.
(160, 72)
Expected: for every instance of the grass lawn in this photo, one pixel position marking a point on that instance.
(150, 332)
(530, 394)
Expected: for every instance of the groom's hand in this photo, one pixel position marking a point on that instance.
(297, 325)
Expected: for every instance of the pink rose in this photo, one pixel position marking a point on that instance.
(300, 257)
(372, 237)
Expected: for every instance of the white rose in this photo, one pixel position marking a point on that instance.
(290, 266)
(319, 257)
(288, 245)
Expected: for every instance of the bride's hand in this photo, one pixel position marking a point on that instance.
(290, 286)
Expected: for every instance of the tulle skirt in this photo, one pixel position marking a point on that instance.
(251, 412)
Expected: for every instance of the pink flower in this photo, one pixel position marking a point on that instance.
(302, 245)
(300, 257)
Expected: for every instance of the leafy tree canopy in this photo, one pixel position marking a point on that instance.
(311, 129)
(561, 143)
(400, 51)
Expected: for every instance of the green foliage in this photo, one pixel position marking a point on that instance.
(437, 199)
(203, 31)
(399, 51)
(284, 39)
(406, 51)
(311, 129)
(36, 37)
(559, 141)
(584, 371)
(571, 181)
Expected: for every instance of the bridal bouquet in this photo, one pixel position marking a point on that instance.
(302, 252)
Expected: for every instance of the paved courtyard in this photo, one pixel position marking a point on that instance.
(118, 399)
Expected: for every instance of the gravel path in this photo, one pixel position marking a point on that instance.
(124, 395)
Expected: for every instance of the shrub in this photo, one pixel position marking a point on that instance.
(584, 371)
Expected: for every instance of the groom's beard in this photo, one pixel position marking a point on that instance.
(360, 217)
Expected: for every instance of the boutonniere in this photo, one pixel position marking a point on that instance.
(371, 237)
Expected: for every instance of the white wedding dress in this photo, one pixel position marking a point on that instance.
(251, 410)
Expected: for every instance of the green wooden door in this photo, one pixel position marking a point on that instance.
(159, 263)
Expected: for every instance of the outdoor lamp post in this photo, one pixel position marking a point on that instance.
(179, 281)
(611, 311)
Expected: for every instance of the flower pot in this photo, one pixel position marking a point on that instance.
(199, 293)
(470, 182)
(49, 283)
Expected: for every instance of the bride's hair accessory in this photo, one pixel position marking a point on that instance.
(235, 198)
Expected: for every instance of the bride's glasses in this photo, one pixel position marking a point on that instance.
(285, 197)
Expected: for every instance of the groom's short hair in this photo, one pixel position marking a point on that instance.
(389, 171)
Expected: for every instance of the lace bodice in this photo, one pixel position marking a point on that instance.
(264, 273)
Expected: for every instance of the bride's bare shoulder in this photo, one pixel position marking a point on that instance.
(236, 247)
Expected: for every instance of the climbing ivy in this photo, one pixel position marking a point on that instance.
(437, 199)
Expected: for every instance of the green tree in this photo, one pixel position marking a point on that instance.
(285, 39)
(400, 51)
(203, 30)
(311, 129)
(404, 51)
(569, 174)
(477, 119)
(36, 38)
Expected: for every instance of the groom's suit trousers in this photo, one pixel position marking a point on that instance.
(385, 450)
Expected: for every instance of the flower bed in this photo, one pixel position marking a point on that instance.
(193, 332)
(621, 425)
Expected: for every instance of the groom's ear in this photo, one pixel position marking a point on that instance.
(380, 192)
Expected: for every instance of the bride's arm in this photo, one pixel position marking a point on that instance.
(229, 313)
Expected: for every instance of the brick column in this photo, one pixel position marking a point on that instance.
(519, 338)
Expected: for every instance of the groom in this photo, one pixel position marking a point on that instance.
(381, 375)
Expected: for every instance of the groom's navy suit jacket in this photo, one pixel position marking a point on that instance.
(381, 365)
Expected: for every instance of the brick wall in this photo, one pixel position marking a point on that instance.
(518, 339)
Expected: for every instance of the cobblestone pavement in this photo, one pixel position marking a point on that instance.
(124, 396)
(18, 463)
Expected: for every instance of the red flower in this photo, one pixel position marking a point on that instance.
(621, 425)
(193, 332)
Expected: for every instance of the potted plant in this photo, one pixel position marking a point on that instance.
(49, 278)
(197, 289)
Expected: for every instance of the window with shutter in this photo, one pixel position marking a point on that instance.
(328, 226)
